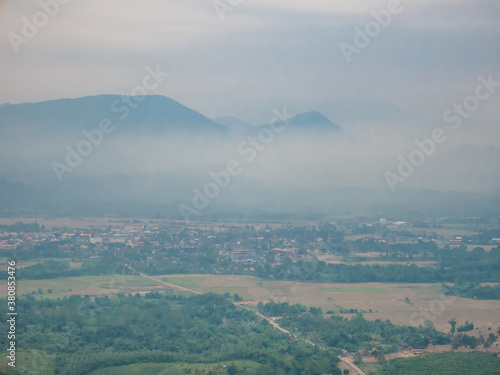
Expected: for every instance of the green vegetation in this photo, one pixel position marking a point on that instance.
(165, 252)
(472, 290)
(474, 363)
(77, 335)
(62, 286)
(454, 264)
(466, 327)
(179, 368)
(241, 291)
(158, 334)
(352, 334)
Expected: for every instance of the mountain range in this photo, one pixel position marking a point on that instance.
(150, 115)
(157, 153)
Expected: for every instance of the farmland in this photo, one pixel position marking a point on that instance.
(405, 304)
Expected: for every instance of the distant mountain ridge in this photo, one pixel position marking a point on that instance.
(151, 114)
(311, 122)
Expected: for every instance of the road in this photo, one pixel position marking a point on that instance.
(173, 286)
(271, 321)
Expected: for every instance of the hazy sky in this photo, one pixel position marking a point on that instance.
(262, 54)
(252, 56)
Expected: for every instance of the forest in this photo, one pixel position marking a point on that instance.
(77, 335)
(474, 363)
(472, 290)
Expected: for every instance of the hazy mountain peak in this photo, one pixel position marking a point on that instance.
(150, 113)
(311, 117)
(311, 123)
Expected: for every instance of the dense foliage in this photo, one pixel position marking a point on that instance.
(472, 290)
(457, 264)
(474, 363)
(76, 335)
(353, 334)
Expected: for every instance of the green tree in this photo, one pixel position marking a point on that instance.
(232, 370)
(453, 324)
(358, 359)
(489, 341)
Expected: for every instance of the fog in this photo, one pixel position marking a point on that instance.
(168, 167)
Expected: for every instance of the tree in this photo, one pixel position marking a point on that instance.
(379, 356)
(489, 341)
(453, 324)
(358, 359)
(455, 343)
(346, 372)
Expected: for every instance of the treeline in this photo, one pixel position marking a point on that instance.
(474, 363)
(77, 335)
(455, 264)
(472, 290)
(421, 248)
(22, 227)
(353, 334)
(54, 269)
(467, 267)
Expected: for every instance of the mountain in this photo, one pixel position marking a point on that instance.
(309, 123)
(145, 115)
(152, 114)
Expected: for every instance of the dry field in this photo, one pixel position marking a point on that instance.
(387, 301)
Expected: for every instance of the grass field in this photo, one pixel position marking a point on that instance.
(27, 263)
(186, 281)
(90, 285)
(371, 368)
(176, 368)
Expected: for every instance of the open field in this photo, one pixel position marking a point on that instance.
(174, 368)
(404, 304)
(387, 301)
(186, 281)
(85, 285)
(76, 223)
(349, 289)
(31, 262)
(99, 223)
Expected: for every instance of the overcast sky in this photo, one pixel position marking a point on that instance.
(245, 58)
(261, 54)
